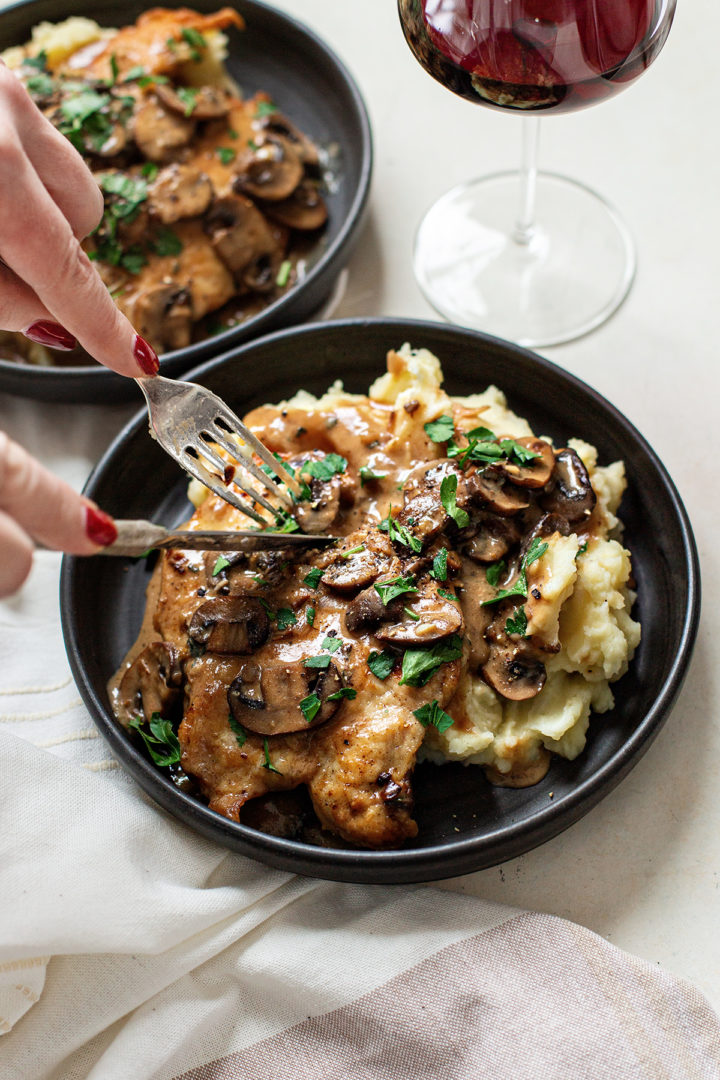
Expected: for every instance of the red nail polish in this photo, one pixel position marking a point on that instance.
(145, 356)
(99, 527)
(51, 334)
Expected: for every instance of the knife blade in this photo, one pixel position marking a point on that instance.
(138, 537)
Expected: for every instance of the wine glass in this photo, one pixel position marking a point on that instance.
(528, 255)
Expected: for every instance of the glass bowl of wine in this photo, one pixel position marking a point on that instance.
(528, 255)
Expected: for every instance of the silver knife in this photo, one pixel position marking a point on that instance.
(138, 537)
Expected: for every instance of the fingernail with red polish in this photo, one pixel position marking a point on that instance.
(51, 334)
(100, 527)
(145, 356)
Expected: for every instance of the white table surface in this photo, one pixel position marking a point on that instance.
(643, 868)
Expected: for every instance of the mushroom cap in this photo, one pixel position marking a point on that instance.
(158, 132)
(305, 209)
(271, 172)
(570, 493)
(489, 488)
(433, 617)
(179, 191)
(265, 696)
(151, 684)
(209, 102)
(492, 538)
(536, 473)
(513, 671)
(235, 625)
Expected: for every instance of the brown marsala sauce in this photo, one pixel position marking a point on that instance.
(256, 721)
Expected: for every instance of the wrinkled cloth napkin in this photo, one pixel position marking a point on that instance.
(131, 949)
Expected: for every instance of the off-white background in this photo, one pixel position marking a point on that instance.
(643, 868)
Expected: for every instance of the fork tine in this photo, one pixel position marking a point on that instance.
(195, 468)
(202, 449)
(278, 467)
(219, 436)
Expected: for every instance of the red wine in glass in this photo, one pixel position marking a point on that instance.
(529, 255)
(533, 54)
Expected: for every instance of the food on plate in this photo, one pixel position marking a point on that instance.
(213, 200)
(476, 608)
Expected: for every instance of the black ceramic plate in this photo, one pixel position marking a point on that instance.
(273, 53)
(465, 823)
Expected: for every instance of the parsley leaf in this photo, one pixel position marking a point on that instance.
(283, 274)
(309, 707)
(325, 468)
(321, 661)
(448, 595)
(220, 564)
(448, 496)
(331, 644)
(494, 572)
(582, 550)
(285, 618)
(238, 729)
(167, 243)
(439, 567)
(518, 589)
(38, 62)
(150, 170)
(312, 578)
(433, 714)
(411, 614)
(265, 108)
(381, 663)
(367, 475)
(441, 429)
(518, 453)
(534, 552)
(161, 734)
(267, 764)
(419, 665)
(343, 692)
(352, 551)
(188, 96)
(517, 623)
(310, 616)
(226, 154)
(388, 590)
(399, 534)
(42, 85)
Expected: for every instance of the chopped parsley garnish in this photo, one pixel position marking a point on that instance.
(343, 692)
(352, 551)
(447, 595)
(367, 475)
(127, 194)
(419, 665)
(331, 644)
(582, 550)
(381, 663)
(309, 707)
(517, 623)
(441, 429)
(42, 85)
(220, 564)
(325, 468)
(284, 522)
(411, 614)
(283, 274)
(265, 108)
(310, 616)
(439, 567)
(480, 433)
(399, 534)
(38, 62)
(150, 170)
(388, 590)
(268, 610)
(195, 40)
(238, 729)
(267, 763)
(133, 261)
(496, 571)
(167, 243)
(161, 734)
(322, 661)
(226, 154)
(432, 714)
(518, 589)
(518, 453)
(534, 552)
(448, 497)
(285, 617)
(312, 578)
(478, 451)
(188, 96)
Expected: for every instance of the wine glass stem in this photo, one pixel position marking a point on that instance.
(525, 224)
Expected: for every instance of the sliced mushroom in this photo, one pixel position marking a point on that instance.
(513, 671)
(489, 488)
(570, 494)
(179, 191)
(152, 684)
(535, 473)
(239, 233)
(426, 616)
(366, 610)
(271, 173)
(276, 123)
(260, 276)
(424, 514)
(162, 314)
(266, 697)
(159, 133)
(230, 624)
(206, 103)
(348, 574)
(493, 538)
(305, 209)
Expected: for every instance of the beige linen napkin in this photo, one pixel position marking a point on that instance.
(131, 949)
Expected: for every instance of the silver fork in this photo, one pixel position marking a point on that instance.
(189, 422)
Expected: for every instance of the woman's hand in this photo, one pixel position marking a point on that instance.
(49, 288)
(37, 506)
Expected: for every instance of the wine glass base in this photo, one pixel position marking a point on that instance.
(574, 271)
